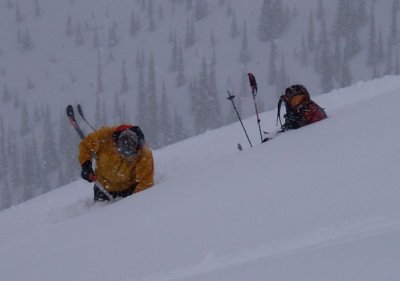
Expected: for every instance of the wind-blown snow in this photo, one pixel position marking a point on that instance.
(318, 203)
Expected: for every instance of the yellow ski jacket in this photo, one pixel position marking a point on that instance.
(114, 171)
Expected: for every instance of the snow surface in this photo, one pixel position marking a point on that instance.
(318, 203)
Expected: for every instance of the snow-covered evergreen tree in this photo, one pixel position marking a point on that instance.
(134, 26)
(67, 144)
(26, 125)
(323, 61)
(311, 33)
(304, 52)
(150, 16)
(96, 38)
(244, 55)
(352, 44)
(124, 78)
(179, 131)
(79, 40)
(142, 111)
(214, 116)
(38, 10)
(190, 34)
(272, 22)
(173, 66)
(3, 169)
(49, 148)
(180, 75)
(265, 21)
(389, 57)
(282, 79)
(200, 9)
(346, 78)
(373, 55)
(18, 14)
(165, 126)
(13, 159)
(394, 32)
(99, 75)
(112, 34)
(6, 95)
(272, 64)
(69, 30)
(152, 106)
(234, 30)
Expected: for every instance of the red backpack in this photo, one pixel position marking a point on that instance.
(300, 109)
(313, 113)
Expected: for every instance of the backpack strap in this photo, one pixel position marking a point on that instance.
(278, 116)
(139, 133)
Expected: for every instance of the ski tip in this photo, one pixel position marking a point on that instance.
(69, 109)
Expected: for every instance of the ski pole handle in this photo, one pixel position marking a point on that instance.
(253, 83)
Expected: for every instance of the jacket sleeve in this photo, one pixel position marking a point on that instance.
(90, 145)
(145, 170)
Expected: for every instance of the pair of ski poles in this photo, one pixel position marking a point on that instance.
(254, 88)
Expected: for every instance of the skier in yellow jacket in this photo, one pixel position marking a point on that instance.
(124, 162)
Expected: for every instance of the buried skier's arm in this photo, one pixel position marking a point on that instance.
(90, 145)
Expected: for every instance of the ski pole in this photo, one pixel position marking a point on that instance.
(102, 188)
(231, 97)
(253, 85)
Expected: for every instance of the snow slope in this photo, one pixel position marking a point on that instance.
(318, 203)
(40, 76)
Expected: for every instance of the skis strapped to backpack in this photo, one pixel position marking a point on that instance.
(72, 120)
(71, 117)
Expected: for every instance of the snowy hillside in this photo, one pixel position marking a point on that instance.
(166, 66)
(318, 203)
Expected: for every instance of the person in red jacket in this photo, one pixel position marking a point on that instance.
(300, 109)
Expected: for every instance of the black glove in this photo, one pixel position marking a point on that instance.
(87, 171)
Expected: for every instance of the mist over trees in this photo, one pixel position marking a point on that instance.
(165, 66)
